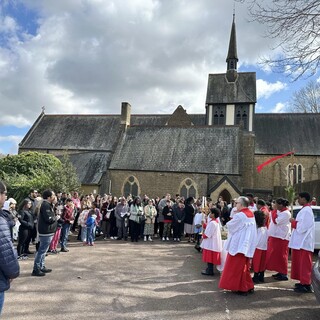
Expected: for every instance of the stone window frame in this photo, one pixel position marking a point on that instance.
(134, 181)
(295, 173)
(219, 112)
(188, 186)
(241, 114)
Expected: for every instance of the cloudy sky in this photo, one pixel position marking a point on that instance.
(87, 56)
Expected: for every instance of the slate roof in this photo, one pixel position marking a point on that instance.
(149, 119)
(170, 149)
(243, 90)
(283, 132)
(82, 132)
(90, 166)
(162, 119)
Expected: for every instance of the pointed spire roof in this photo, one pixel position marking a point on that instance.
(232, 52)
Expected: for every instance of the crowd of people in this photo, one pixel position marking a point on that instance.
(259, 233)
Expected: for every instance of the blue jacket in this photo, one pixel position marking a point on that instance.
(9, 265)
(90, 221)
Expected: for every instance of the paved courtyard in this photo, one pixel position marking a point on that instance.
(124, 280)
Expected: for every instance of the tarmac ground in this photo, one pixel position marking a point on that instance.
(145, 280)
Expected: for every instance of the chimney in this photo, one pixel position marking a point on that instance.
(125, 113)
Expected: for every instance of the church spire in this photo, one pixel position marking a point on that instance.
(232, 57)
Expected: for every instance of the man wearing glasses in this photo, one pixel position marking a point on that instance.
(9, 266)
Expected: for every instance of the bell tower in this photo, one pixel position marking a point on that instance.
(231, 96)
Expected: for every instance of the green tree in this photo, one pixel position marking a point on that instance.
(37, 170)
(65, 176)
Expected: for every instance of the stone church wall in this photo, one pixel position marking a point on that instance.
(157, 183)
(275, 174)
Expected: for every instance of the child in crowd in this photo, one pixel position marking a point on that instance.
(259, 257)
(211, 243)
(91, 225)
(56, 237)
(82, 222)
(167, 215)
(198, 221)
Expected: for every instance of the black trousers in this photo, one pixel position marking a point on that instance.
(161, 226)
(34, 233)
(24, 237)
(135, 230)
(75, 223)
(177, 229)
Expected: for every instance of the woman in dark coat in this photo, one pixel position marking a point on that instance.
(112, 218)
(26, 219)
(189, 215)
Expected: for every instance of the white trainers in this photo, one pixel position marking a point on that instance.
(168, 239)
(150, 239)
(111, 238)
(178, 240)
(175, 239)
(145, 238)
(163, 239)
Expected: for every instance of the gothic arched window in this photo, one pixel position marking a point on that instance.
(188, 189)
(130, 186)
(218, 115)
(242, 115)
(295, 173)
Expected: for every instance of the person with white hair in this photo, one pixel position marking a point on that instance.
(10, 207)
(240, 245)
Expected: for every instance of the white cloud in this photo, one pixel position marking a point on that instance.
(13, 142)
(18, 120)
(265, 89)
(89, 56)
(12, 138)
(279, 108)
(7, 24)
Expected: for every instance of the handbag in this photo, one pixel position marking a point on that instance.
(141, 219)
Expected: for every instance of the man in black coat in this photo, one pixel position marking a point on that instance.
(9, 266)
(47, 226)
(178, 220)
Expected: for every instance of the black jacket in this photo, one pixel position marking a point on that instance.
(26, 219)
(9, 266)
(47, 221)
(165, 212)
(189, 213)
(178, 214)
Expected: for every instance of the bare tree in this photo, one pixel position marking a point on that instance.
(307, 99)
(295, 24)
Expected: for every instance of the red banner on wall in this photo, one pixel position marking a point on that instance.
(260, 166)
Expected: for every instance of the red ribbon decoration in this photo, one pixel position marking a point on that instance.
(260, 167)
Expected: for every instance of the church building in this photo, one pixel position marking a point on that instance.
(213, 154)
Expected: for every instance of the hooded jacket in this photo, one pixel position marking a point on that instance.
(9, 266)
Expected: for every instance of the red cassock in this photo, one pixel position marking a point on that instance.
(300, 259)
(211, 257)
(259, 260)
(277, 255)
(236, 274)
